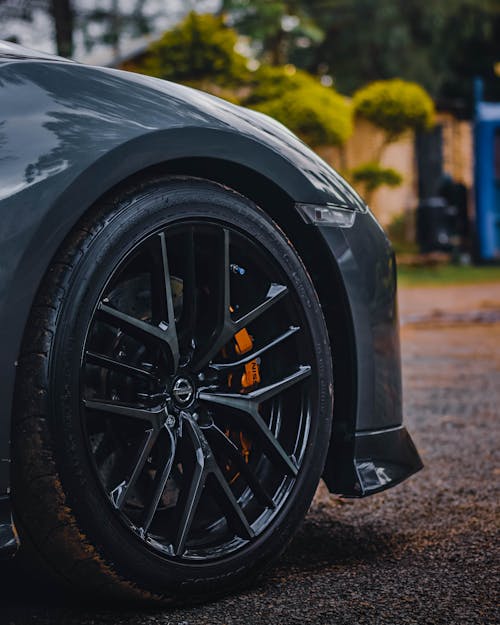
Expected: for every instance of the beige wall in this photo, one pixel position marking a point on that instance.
(365, 144)
(458, 154)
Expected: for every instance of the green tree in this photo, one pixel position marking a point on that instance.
(200, 48)
(440, 44)
(281, 30)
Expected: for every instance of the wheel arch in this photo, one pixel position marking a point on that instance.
(278, 203)
(322, 267)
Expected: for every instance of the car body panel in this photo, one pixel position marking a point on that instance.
(367, 265)
(69, 133)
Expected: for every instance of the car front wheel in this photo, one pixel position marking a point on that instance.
(173, 398)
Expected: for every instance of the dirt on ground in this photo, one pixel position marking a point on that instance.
(425, 552)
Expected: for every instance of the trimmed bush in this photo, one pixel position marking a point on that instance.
(317, 114)
(372, 176)
(270, 82)
(395, 106)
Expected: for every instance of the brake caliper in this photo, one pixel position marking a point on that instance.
(244, 344)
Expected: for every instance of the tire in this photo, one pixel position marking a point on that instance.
(147, 464)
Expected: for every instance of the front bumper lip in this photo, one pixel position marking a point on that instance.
(370, 461)
(382, 459)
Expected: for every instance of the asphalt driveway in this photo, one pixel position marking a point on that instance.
(424, 552)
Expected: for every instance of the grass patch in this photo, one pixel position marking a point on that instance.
(446, 274)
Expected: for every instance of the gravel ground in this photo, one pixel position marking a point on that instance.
(424, 552)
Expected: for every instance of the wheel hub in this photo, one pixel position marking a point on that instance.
(183, 391)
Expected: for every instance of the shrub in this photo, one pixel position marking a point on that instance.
(200, 47)
(270, 82)
(372, 176)
(395, 106)
(317, 114)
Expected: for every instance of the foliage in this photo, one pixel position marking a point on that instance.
(372, 176)
(441, 45)
(201, 47)
(269, 83)
(395, 106)
(278, 29)
(446, 274)
(317, 114)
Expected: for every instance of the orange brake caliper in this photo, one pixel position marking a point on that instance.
(250, 377)
(244, 344)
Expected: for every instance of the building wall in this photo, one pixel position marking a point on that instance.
(365, 145)
(458, 149)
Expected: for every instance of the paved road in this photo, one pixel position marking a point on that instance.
(424, 552)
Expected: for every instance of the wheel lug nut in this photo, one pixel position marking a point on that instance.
(170, 421)
(201, 377)
(195, 416)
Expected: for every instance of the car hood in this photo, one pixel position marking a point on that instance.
(152, 99)
(256, 124)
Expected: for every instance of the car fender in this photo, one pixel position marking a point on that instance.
(70, 133)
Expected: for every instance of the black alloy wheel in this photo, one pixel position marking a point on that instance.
(189, 382)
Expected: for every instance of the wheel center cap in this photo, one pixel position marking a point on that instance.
(183, 391)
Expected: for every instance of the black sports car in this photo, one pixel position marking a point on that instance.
(197, 322)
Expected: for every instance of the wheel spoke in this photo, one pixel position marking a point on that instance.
(227, 327)
(165, 332)
(224, 329)
(194, 492)
(231, 451)
(207, 471)
(121, 492)
(189, 292)
(160, 482)
(255, 354)
(274, 294)
(166, 292)
(249, 404)
(136, 328)
(116, 365)
(273, 448)
(153, 415)
(227, 501)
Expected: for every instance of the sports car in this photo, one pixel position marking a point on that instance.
(198, 321)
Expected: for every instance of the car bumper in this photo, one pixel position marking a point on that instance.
(373, 461)
(370, 449)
